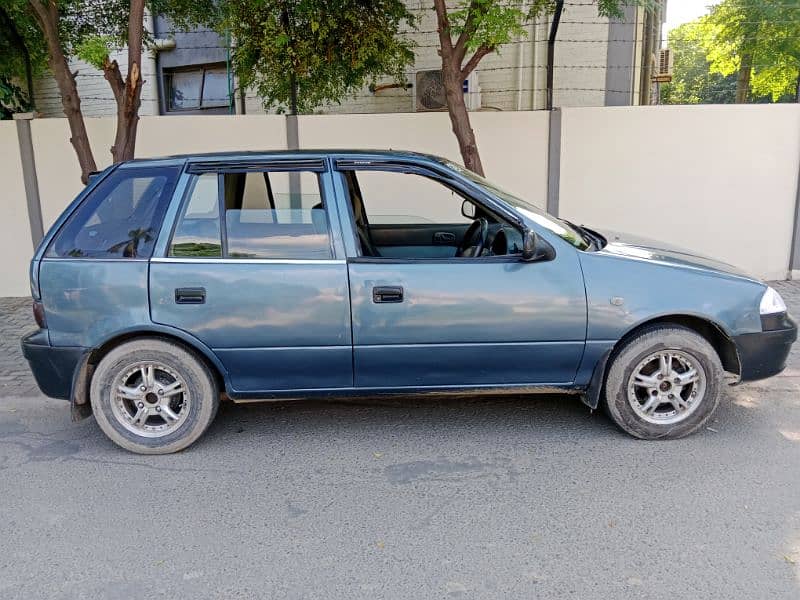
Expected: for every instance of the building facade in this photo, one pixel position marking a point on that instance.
(598, 62)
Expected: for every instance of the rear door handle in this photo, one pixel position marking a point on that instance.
(444, 237)
(387, 294)
(190, 295)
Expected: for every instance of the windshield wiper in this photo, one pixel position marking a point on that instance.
(599, 240)
(589, 238)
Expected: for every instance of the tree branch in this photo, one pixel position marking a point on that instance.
(112, 74)
(443, 27)
(475, 59)
(460, 48)
(135, 35)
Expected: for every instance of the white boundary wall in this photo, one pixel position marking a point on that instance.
(719, 180)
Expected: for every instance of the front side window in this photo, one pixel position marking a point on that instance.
(263, 214)
(406, 215)
(407, 198)
(561, 228)
(120, 218)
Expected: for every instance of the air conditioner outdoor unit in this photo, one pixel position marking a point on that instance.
(429, 91)
(663, 66)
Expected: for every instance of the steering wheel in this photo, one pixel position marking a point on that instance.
(474, 239)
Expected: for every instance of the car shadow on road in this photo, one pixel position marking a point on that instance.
(547, 415)
(539, 416)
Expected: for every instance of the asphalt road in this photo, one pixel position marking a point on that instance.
(487, 498)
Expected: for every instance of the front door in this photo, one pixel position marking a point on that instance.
(251, 270)
(449, 321)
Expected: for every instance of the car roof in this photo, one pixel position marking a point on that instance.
(232, 155)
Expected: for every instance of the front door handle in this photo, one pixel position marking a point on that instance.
(190, 295)
(387, 294)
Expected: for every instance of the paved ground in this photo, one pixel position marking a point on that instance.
(491, 498)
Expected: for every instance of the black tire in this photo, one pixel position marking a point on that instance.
(201, 396)
(637, 349)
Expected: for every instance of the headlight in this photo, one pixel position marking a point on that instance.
(771, 303)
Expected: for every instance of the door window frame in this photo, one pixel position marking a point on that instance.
(443, 177)
(317, 165)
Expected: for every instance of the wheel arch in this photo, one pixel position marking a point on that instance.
(81, 406)
(711, 331)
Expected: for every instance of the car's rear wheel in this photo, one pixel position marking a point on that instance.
(152, 396)
(663, 383)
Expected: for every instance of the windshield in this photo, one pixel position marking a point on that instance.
(558, 226)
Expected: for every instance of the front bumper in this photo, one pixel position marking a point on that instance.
(764, 354)
(53, 367)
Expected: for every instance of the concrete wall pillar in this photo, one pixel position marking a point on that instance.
(29, 176)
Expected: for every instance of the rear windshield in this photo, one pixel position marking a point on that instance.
(120, 218)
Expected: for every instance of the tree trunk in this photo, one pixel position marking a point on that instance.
(128, 93)
(453, 77)
(459, 118)
(48, 21)
(743, 79)
(551, 51)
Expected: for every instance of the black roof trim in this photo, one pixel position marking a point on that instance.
(276, 164)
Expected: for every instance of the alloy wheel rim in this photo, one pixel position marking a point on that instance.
(150, 399)
(666, 387)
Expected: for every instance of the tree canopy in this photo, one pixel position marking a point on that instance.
(757, 39)
(692, 81)
(315, 51)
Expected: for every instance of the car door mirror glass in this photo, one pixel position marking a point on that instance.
(468, 209)
(535, 248)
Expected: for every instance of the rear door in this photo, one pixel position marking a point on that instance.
(255, 269)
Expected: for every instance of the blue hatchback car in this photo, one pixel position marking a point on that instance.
(171, 284)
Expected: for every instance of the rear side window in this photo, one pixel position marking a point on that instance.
(120, 218)
(198, 231)
(256, 214)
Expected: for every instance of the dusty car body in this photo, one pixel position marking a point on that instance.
(168, 283)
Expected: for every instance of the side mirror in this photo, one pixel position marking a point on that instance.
(535, 248)
(468, 209)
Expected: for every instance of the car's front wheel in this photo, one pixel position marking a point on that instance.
(663, 383)
(152, 396)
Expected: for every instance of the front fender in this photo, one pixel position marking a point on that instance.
(623, 294)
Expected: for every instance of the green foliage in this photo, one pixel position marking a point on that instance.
(328, 49)
(12, 98)
(95, 50)
(692, 82)
(18, 33)
(766, 31)
(491, 23)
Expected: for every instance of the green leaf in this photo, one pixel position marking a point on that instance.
(95, 50)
